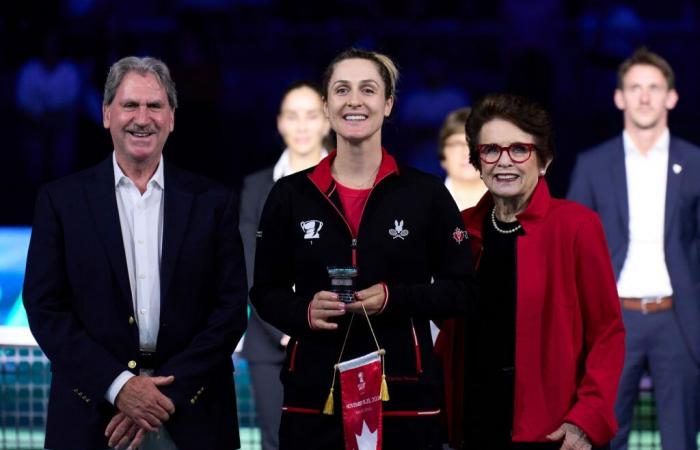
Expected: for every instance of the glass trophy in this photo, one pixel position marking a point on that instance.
(342, 282)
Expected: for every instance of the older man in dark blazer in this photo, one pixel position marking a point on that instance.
(135, 286)
(645, 186)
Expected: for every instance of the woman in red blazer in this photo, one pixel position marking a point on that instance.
(540, 368)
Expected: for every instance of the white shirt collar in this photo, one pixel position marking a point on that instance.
(448, 184)
(158, 179)
(659, 147)
(282, 167)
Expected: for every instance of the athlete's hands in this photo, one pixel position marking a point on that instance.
(372, 298)
(325, 306)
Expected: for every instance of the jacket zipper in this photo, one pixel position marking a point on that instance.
(416, 347)
(293, 358)
(354, 252)
(353, 241)
(353, 255)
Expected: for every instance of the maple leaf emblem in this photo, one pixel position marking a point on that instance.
(366, 440)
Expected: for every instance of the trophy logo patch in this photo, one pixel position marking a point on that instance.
(361, 385)
(311, 228)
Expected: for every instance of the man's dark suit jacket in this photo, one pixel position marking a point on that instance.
(599, 181)
(79, 305)
(262, 340)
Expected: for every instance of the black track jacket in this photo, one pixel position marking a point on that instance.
(425, 263)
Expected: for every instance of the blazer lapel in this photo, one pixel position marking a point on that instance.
(674, 175)
(619, 180)
(178, 202)
(102, 201)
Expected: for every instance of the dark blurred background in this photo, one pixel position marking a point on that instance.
(232, 59)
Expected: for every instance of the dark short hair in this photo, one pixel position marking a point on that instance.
(529, 116)
(454, 124)
(386, 67)
(642, 56)
(142, 66)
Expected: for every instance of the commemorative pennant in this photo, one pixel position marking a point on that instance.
(360, 384)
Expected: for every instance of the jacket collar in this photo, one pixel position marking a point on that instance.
(102, 203)
(178, 199)
(674, 177)
(618, 177)
(119, 175)
(323, 179)
(283, 167)
(529, 218)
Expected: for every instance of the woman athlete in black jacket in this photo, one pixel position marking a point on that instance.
(402, 231)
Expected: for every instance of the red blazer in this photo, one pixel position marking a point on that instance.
(569, 346)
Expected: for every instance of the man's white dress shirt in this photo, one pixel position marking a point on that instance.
(141, 220)
(644, 273)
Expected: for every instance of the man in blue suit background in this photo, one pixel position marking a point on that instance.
(135, 286)
(645, 185)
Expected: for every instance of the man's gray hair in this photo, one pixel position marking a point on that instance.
(142, 66)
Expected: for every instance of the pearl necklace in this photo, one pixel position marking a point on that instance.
(501, 230)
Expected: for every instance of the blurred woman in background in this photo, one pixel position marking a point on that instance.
(462, 179)
(303, 127)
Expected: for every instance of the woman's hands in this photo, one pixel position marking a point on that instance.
(574, 437)
(325, 306)
(372, 298)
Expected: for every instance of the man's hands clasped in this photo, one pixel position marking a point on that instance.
(142, 408)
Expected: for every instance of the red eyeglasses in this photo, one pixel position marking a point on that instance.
(518, 152)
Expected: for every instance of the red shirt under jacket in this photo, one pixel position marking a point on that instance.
(353, 201)
(569, 345)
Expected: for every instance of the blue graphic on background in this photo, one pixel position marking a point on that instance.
(14, 242)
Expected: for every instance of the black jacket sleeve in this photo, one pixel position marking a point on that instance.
(272, 293)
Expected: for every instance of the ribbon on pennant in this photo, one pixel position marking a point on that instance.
(360, 385)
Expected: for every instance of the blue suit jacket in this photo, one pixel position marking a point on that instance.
(79, 305)
(599, 182)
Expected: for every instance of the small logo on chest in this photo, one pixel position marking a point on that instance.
(398, 232)
(459, 235)
(311, 228)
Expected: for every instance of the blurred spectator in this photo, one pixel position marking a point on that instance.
(462, 179)
(426, 105)
(200, 84)
(422, 110)
(610, 32)
(532, 51)
(47, 97)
